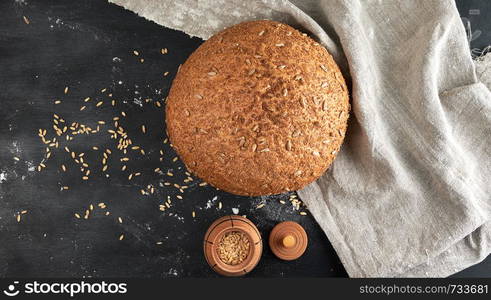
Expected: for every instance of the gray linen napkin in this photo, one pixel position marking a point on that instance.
(410, 192)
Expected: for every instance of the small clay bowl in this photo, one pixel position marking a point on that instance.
(215, 233)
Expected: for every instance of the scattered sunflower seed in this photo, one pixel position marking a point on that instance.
(288, 145)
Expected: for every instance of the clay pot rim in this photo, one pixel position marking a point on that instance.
(215, 233)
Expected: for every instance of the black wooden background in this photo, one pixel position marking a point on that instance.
(88, 47)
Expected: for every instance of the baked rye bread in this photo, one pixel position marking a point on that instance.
(258, 109)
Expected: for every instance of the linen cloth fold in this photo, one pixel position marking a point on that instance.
(409, 194)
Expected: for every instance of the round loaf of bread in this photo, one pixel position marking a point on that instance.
(258, 109)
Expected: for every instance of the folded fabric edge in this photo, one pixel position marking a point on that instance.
(284, 11)
(458, 256)
(134, 7)
(311, 195)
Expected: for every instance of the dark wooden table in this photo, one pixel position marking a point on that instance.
(88, 46)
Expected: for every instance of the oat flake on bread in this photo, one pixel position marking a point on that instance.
(258, 109)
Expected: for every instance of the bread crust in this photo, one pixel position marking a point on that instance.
(258, 109)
